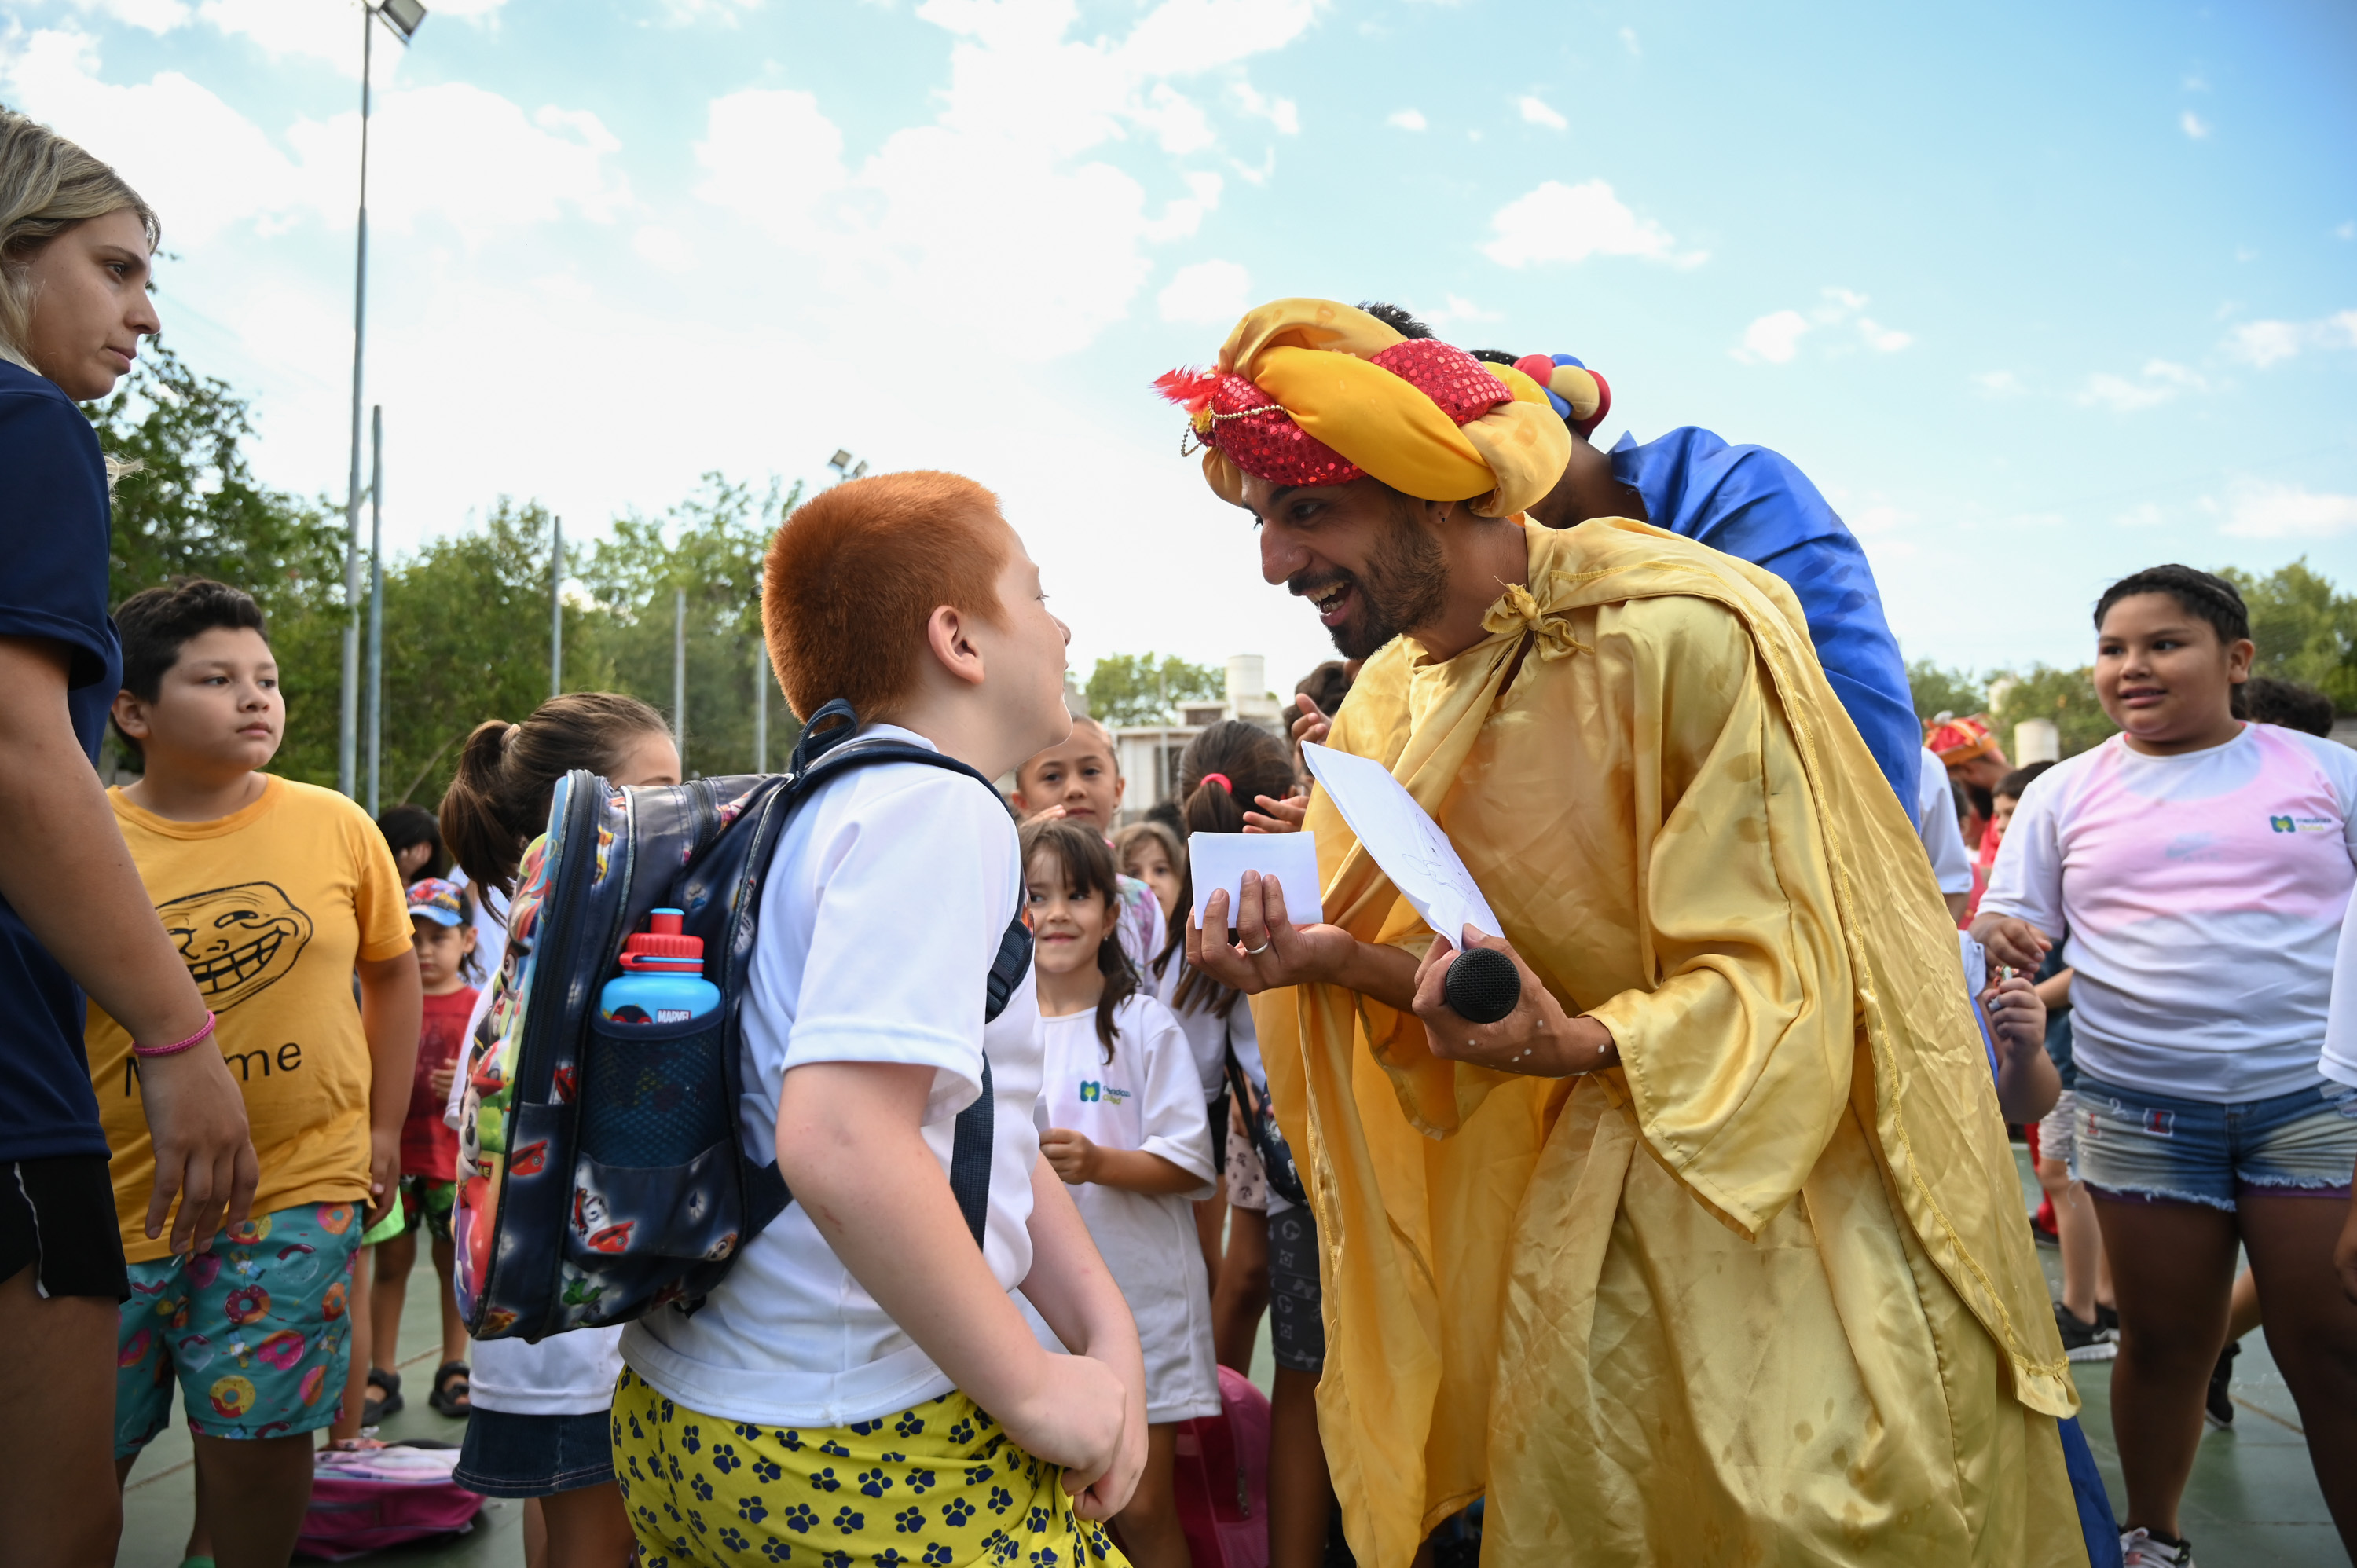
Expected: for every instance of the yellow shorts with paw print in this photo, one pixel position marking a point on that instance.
(939, 1486)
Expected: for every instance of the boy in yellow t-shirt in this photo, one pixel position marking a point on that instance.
(277, 894)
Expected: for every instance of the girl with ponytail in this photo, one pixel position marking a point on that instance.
(537, 1429)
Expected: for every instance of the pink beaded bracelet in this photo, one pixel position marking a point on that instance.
(177, 1047)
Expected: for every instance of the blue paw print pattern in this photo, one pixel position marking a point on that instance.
(985, 1501)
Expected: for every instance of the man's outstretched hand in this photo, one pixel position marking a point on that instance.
(1537, 1038)
(1269, 950)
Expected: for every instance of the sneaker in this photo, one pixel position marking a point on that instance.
(2081, 1340)
(2218, 1404)
(2107, 1318)
(2139, 1548)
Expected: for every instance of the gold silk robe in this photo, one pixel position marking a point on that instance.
(1760, 1294)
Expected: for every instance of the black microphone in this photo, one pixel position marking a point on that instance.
(1482, 984)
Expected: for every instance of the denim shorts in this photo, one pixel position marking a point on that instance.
(1296, 1307)
(2142, 1147)
(510, 1456)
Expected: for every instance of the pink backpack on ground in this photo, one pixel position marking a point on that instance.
(1220, 1475)
(383, 1496)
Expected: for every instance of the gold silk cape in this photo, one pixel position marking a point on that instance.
(1760, 1294)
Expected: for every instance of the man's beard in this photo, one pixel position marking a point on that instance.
(1405, 584)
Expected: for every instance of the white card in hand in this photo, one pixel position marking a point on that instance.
(1403, 840)
(1220, 860)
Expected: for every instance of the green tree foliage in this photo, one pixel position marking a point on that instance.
(1146, 688)
(1941, 690)
(2042, 691)
(189, 506)
(711, 545)
(2305, 631)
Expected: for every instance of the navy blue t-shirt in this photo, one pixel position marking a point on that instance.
(55, 528)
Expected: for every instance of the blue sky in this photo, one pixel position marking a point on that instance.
(2038, 295)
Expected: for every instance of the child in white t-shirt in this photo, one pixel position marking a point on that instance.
(2197, 869)
(1123, 1123)
(861, 1385)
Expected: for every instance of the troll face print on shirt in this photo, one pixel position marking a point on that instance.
(237, 941)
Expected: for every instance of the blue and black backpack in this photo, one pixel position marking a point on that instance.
(601, 1173)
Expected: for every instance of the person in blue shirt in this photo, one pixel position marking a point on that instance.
(75, 246)
(1757, 506)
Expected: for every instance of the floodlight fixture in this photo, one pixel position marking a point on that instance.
(404, 17)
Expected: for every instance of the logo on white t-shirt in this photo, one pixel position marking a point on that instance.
(2302, 824)
(1095, 1093)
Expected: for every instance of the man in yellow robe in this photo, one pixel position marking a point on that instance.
(1711, 1253)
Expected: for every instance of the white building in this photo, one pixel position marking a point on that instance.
(1149, 753)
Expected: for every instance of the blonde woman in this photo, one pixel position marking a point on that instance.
(75, 248)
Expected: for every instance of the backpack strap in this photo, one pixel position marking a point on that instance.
(818, 757)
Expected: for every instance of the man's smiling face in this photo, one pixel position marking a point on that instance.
(1361, 552)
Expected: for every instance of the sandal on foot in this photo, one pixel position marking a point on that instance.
(451, 1396)
(383, 1397)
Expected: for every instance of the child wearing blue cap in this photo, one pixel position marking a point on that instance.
(442, 926)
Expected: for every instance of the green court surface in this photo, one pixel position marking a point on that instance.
(2253, 1502)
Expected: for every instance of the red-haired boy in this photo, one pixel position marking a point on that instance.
(864, 1377)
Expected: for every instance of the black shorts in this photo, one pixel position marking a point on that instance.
(507, 1455)
(1217, 1111)
(1297, 1305)
(58, 1215)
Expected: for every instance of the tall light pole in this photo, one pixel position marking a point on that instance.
(556, 608)
(679, 675)
(403, 16)
(376, 604)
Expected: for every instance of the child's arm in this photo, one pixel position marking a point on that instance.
(1076, 1296)
(1077, 1160)
(2055, 990)
(851, 1148)
(393, 1007)
(2027, 1083)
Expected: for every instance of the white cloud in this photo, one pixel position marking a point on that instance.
(1456, 308)
(1874, 519)
(2193, 125)
(2258, 509)
(1774, 338)
(2347, 230)
(2196, 84)
(155, 15)
(1536, 112)
(1882, 339)
(1998, 384)
(663, 248)
(1280, 112)
(1558, 222)
(453, 151)
(1207, 294)
(1629, 41)
(1408, 120)
(2158, 382)
(2146, 515)
(2262, 343)
(681, 12)
(1000, 197)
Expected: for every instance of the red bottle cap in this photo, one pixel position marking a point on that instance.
(661, 946)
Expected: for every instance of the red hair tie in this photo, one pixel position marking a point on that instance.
(1222, 779)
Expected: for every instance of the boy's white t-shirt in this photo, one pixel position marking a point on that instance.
(883, 912)
(2202, 897)
(1143, 1098)
(1935, 820)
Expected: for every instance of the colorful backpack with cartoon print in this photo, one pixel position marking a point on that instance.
(601, 1175)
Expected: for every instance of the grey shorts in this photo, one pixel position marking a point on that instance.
(1297, 1305)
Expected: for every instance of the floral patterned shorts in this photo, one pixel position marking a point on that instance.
(937, 1485)
(256, 1333)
